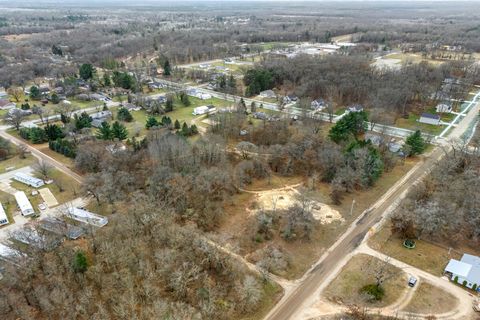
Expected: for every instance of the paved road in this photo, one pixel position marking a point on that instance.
(41, 156)
(293, 301)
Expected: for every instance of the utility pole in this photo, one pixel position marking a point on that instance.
(351, 209)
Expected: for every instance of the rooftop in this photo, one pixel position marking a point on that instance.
(430, 116)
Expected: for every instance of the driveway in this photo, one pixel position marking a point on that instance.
(5, 179)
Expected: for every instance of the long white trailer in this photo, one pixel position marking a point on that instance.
(86, 217)
(24, 204)
(28, 180)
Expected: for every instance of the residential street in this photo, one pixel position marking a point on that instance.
(294, 301)
(41, 156)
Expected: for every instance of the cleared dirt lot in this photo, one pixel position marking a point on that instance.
(429, 299)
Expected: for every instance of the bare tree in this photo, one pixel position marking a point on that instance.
(42, 168)
(14, 118)
(16, 93)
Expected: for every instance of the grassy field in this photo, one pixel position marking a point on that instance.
(16, 162)
(412, 124)
(346, 287)
(411, 57)
(425, 256)
(430, 299)
(180, 113)
(340, 111)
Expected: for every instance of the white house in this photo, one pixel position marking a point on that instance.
(28, 180)
(204, 96)
(3, 216)
(203, 110)
(429, 118)
(24, 204)
(465, 272)
(6, 104)
(268, 94)
(355, 108)
(290, 98)
(86, 217)
(443, 108)
(318, 104)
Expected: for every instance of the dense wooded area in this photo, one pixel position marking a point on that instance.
(166, 194)
(444, 203)
(347, 80)
(48, 41)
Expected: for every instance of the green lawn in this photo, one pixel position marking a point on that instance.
(447, 117)
(340, 111)
(180, 112)
(412, 124)
(16, 162)
(232, 67)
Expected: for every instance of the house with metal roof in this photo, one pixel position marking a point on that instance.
(429, 118)
(465, 272)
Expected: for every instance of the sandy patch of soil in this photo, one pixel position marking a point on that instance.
(284, 199)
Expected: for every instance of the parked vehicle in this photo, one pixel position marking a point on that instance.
(412, 281)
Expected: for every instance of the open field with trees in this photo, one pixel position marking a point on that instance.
(367, 281)
(215, 204)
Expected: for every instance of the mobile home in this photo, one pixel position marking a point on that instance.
(24, 204)
(3, 216)
(86, 217)
(28, 180)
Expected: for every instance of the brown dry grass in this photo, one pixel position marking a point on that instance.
(345, 288)
(430, 299)
(425, 256)
(237, 227)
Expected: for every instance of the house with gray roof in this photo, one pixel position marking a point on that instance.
(429, 118)
(465, 272)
